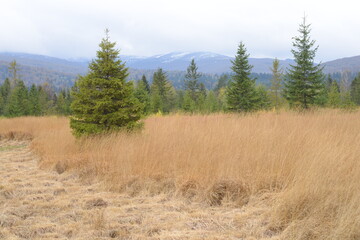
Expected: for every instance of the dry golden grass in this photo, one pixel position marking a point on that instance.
(306, 167)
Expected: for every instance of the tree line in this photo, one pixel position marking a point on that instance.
(18, 100)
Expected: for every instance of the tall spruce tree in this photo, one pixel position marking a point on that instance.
(304, 80)
(18, 102)
(191, 81)
(161, 93)
(145, 83)
(241, 94)
(143, 95)
(103, 100)
(34, 103)
(355, 90)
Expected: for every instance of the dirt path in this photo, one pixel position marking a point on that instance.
(38, 204)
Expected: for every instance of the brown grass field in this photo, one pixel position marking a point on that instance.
(268, 175)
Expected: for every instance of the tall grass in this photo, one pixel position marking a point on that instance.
(309, 162)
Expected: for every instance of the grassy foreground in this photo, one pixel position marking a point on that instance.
(305, 166)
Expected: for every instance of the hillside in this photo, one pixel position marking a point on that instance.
(207, 62)
(62, 73)
(351, 64)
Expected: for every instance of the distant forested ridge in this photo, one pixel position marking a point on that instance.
(60, 80)
(61, 73)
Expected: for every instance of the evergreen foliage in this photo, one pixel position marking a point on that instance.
(263, 101)
(162, 93)
(191, 81)
(142, 93)
(189, 104)
(34, 103)
(304, 80)
(145, 83)
(241, 94)
(222, 82)
(103, 100)
(18, 103)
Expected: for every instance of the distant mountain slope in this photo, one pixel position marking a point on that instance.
(45, 62)
(62, 73)
(39, 75)
(351, 64)
(207, 62)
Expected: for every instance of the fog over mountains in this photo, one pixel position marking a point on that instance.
(62, 72)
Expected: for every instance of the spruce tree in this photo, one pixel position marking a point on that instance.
(263, 101)
(355, 90)
(63, 103)
(191, 81)
(143, 95)
(241, 94)
(276, 84)
(34, 103)
(162, 93)
(145, 83)
(222, 82)
(304, 80)
(18, 103)
(103, 100)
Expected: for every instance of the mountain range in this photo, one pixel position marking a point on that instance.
(62, 72)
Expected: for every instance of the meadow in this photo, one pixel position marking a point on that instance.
(303, 167)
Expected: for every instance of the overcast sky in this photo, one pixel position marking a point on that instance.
(74, 28)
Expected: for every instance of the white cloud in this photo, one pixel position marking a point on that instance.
(73, 28)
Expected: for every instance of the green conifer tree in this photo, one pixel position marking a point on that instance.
(103, 100)
(162, 93)
(264, 101)
(143, 95)
(191, 81)
(222, 83)
(241, 95)
(63, 103)
(304, 80)
(34, 101)
(18, 103)
(145, 83)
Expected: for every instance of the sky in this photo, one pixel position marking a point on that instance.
(74, 28)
